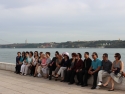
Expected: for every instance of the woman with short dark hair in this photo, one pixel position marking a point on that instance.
(117, 70)
(76, 68)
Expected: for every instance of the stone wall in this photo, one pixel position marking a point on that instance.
(11, 67)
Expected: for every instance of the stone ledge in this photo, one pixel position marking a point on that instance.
(11, 67)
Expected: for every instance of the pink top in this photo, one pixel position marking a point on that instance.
(43, 62)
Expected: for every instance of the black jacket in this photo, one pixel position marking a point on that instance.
(18, 59)
(70, 62)
(87, 64)
(65, 63)
(54, 60)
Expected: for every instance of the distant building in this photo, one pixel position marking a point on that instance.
(26, 41)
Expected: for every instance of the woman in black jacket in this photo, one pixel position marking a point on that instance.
(68, 71)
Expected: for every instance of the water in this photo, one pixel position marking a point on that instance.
(9, 55)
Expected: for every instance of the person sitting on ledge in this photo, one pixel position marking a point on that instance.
(23, 57)
(38, 64)
(117, 71)
(52, 65)
(84, 76)
(58, 64)
(105, 70)
(68, 72)
(17, 68)
(64, 66)
(34, 63)
(45, 66)
(24, 63)
(27, 63)
(76, 68)
(94, 69)
(42, 67)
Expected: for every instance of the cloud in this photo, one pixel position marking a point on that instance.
(61, 20)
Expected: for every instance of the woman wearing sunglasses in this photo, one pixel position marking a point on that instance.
(116, 74)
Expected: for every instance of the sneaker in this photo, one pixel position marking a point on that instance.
(39, 75)
(100, 83)
(25, 74)
(98, 87)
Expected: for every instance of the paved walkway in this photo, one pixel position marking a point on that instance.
(11, 83)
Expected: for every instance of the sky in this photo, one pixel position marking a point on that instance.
(41, 21)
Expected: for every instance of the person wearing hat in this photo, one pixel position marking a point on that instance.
(68, 71)
(52, 64)
(64, 65)
(117, 71)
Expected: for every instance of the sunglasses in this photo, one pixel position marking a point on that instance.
(103, 56)
(115, 56)
(93, 55)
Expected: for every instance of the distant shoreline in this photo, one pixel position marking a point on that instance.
(70, 44)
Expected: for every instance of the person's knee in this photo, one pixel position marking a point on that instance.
(100, 72)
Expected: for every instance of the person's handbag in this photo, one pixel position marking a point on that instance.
(119, 75)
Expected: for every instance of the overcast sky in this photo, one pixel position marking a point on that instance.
(61, 20)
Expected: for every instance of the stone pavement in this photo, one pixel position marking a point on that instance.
(11, 83)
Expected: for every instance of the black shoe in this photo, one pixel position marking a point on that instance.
(70, 83)
(93, 87)
(56, 78)
(84, 85)
(62, 81)
(78, 83)
(111, 90)
(50, 77)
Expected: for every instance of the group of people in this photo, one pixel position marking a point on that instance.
(64, 68)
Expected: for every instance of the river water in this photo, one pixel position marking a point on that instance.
(8, 55)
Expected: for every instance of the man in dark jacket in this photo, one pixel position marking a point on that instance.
(84, 76)
(17, 61)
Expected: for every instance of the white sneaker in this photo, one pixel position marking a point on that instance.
(98, 87)
(99, 84)
(25, 74)
(39, 75)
